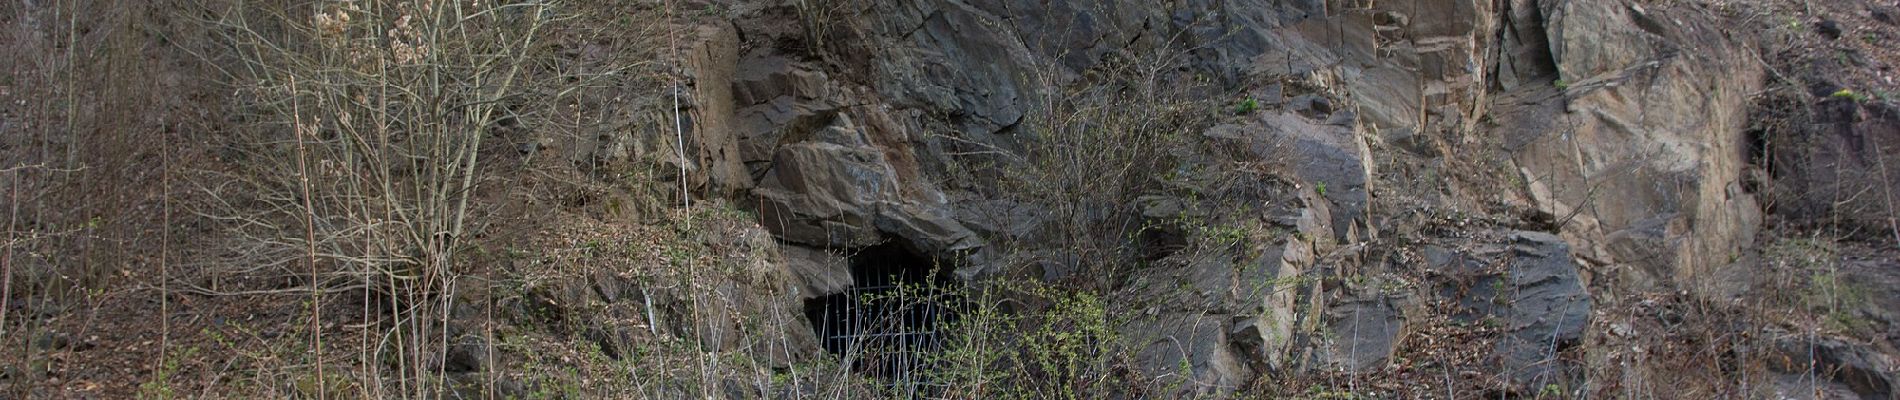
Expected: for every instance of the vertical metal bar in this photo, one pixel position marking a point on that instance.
(904, 350)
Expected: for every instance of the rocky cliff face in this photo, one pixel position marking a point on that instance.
(1652, 105)
(1640, 157)
(1600, 145)
(963, 199)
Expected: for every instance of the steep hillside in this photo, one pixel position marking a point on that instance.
(965, 199)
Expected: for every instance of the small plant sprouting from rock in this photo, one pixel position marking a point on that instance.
(1322, 392)
(1553, 390)
(1849, 94)
(1225, 234)
(1497, 291)
(1561, 84)
(1247, 106)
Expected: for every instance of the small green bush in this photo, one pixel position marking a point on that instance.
(1247, 106)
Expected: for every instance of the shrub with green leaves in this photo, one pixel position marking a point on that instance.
(1062, 348)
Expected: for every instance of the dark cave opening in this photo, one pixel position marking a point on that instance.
(893, 317)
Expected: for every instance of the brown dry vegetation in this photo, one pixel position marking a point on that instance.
(154, 154)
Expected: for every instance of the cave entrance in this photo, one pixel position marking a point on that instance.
(889, 322)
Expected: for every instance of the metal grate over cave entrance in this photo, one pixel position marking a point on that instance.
(892, 319)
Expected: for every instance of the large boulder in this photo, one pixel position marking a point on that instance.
(826, 193)
(832, 173)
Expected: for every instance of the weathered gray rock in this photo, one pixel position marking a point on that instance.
(1191, 348)
(1077, 34)
(1522, 55)
(825, 194)
(1874, 286)
(1592, 38)
(820, 273)
(777, 97)
(955, 59)
(929, 229)
(712, 147)
(1332, 158)
(830, 195)
(1527, 285)
(1367, 328)
(1223, 307)
(833, 171)
(1548, 308)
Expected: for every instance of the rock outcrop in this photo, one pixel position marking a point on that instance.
(1620, 126)
(1223, 307)
(1634, 144)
